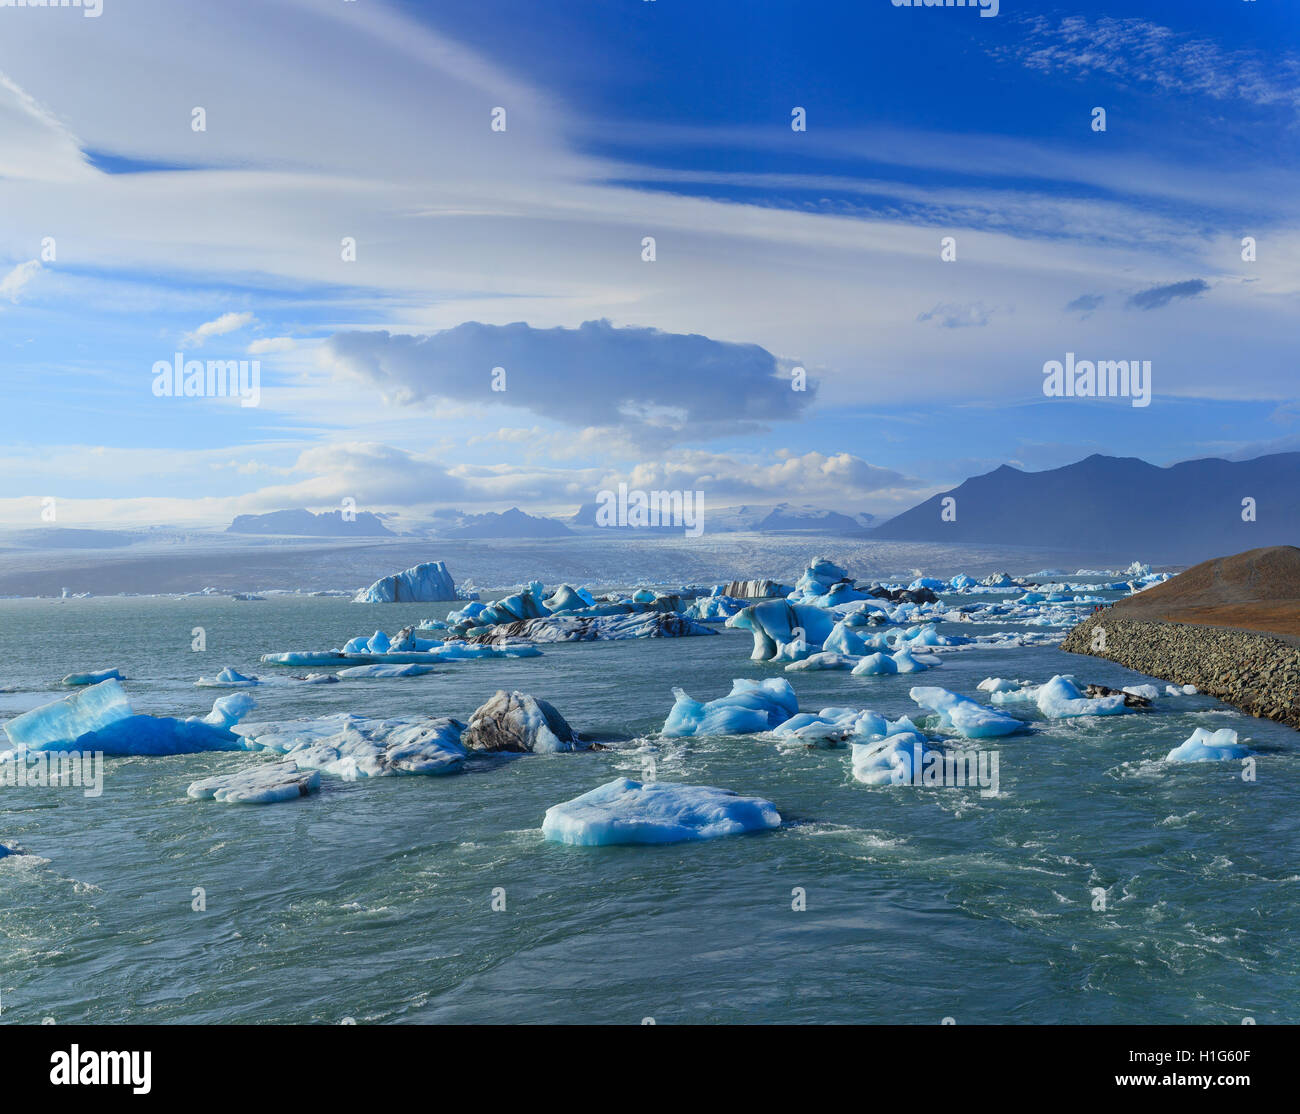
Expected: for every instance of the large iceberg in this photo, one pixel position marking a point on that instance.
(750, 706)
(1208, 746)
(419, 584)
(625, 811)
(964, 715)
(353, 747)
(257, 785)
(784, 631)
(99, 718)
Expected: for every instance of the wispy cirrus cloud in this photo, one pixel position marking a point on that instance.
(1145, 52)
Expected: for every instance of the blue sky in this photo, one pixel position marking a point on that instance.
(625, 119)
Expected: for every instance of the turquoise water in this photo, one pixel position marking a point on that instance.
(373, 900)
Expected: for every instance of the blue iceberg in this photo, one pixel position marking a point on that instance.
(750, 706)
(424, 583)
(1209, 746)
(99, 718)
(74, 679)
(965, 716)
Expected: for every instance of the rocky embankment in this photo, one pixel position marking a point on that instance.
(1258, 673)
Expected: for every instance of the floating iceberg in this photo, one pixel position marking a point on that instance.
(419, 584)
(893, 760)
(92, 678)
(1059, 698)
(964, 715)
(364, 671)
(906, 662)
(609, 628)
(1181, 690)
(1146, 692)
(784, 631)
(835, 726)
(823, 660)
(1001, 684)
(519, 722)
(353, 747)
(257, 785)
(875, 664)
(625, 811)
(750, 706)
(100, 718)
(1208, 746)
(714, 609)
(227, 679)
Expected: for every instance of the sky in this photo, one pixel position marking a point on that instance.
(129, 234)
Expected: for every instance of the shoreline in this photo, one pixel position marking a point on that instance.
(1256, 672)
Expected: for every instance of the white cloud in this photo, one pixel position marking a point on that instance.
(226, 323)
(13, 283)
(268, 345)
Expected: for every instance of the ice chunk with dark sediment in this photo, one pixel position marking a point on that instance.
(352, 747)
(521, 723)
(257, 785)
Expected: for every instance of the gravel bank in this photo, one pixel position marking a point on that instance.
(1257, 673)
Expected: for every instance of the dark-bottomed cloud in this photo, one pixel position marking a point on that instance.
(641, 380)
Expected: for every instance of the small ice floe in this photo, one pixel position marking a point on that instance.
(100, 718)
(257, 785)
(835, 726)
(519, 722)
(361, 671)
(228, 678)
(92, 678)
(1181, 690)
(625, 811)
(353, 747)
(964, 715)
(750, 706)
(1060, 698)
(316, 679)
(823, 660)
(875, 664)
(893, 760)
(1209, 746)
(1002, 684)
(1145, 692)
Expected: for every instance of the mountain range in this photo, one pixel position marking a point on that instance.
(1181, 514)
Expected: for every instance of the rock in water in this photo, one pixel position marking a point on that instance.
(516, 721)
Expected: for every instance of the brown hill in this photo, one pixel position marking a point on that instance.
(1255, 590)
